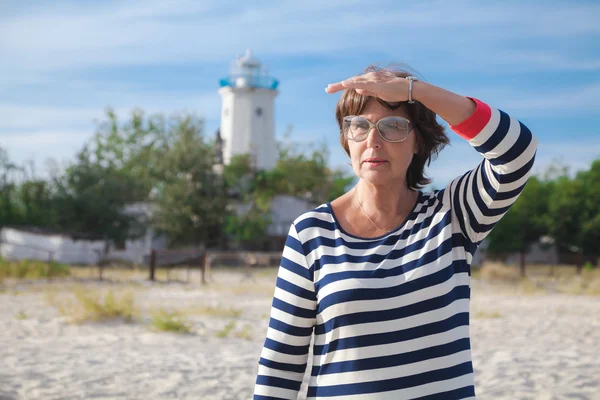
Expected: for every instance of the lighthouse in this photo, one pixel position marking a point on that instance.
(247, 113)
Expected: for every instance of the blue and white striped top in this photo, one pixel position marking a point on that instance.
(390, 315)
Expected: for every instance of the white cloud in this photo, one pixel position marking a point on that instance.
(457, 159)
(19, 117)
(142, 33)
(462, 36)
(583, 98)
(39, 146)
(460, 157)
(540, 101)
(542, 59)
(14, 117)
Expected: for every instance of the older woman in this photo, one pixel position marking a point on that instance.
(381, 275)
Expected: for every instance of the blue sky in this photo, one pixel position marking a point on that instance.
(63, 62)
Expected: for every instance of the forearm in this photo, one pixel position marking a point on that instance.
(483, 195)
(451, 107)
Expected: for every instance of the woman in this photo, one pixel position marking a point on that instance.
(381, 274)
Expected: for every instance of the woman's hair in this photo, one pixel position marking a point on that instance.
(430, 135)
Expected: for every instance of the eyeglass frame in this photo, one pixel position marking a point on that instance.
(376, 125)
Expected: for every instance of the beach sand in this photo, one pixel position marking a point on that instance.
(525, 345)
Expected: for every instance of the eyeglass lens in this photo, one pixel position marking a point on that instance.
(391, 128)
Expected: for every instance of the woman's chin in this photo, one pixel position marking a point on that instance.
(376, 177)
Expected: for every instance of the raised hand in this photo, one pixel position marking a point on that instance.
(380, 84)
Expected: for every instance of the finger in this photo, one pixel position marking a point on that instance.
(334, 87)
(365, 92)
(354, 84)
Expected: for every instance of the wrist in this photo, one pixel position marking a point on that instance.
(419, 89)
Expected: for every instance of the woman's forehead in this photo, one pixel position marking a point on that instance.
(374, 110)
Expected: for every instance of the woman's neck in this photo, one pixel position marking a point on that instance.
(386, 205)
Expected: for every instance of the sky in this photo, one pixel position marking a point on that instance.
(63, 62)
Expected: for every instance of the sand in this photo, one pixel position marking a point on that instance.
(525, 346)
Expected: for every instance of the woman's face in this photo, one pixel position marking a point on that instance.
(396, 156)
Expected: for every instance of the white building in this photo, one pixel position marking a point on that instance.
(247, 113)
(38, 244)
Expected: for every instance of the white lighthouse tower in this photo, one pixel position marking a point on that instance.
(247, 113)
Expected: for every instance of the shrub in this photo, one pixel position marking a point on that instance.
(170, 321)
(92, 306)
(32, 269)
(223, 333)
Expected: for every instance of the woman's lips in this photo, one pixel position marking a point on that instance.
(375, 164)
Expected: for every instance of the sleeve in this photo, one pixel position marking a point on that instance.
(285, 353)
(482, 196)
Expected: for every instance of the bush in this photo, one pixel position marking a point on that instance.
(170, 321)
(32, 269)
(223, 333)
(499, 272)
(94, 306)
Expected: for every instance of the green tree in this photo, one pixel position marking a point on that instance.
(133, 147)
(91, 199)
(573, 217)
(36, 202)
(249, 229)
(190, 197)
(303, 171)
(300, 172)
(523, 224)
(8, 213)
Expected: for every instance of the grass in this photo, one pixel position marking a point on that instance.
(83, 305)
(487, 315)
(541, 278)
(247, 289)
(32, 269)
(127, 273)
(21, 315)
(498, 273)
(214, 311)
(170, 321)
(245, 333)
(223, 333)
(80, 305)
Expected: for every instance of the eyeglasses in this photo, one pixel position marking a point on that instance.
(391, 129)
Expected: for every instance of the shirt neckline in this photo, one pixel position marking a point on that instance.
(399, 227)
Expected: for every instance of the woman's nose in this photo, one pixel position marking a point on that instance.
(373, 138)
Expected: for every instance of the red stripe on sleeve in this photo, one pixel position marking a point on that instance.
(471, 126)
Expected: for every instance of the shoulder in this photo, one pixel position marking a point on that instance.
(313, 215)
(432, 200)
(311, 222)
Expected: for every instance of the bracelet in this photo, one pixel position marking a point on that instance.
(411, 79)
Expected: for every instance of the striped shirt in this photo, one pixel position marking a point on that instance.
(390, 315)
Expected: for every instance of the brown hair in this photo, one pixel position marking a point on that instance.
(430, 135)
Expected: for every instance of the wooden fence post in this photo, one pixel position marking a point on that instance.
(50, 258)
(152, 264)
(100, 270)
(203, 267)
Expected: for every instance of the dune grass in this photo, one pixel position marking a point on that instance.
(223, 333)
(32, 269)
(542, 278)
(229, 312)
(82, 305)
(487, 315)
(169, 321)
(21, 315)
(245, 333)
